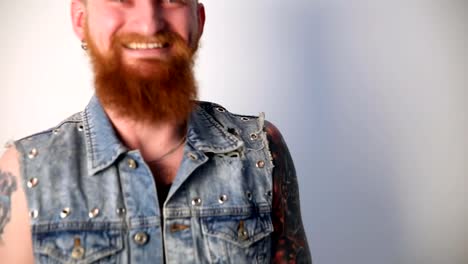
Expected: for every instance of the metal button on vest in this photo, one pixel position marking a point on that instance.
(192, 156)
(140, 238)
(196, 201)
(260, 164)
(253, 136)
(93, 213)
(65, 212)
(120, 211)
(132, 163)
(242, 231)
(33, 214)
(33, 153)
(32, 182)
(222, 199)
(78, 251)
(244, 235)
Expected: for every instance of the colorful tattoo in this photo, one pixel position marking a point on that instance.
(289, 238)
(7, 187)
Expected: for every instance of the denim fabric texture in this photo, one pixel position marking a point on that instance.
(92, 200)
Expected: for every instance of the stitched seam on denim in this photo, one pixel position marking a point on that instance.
(45, 226)
(189, 212)
(144, 222)
(211, 105)
(89, 139)
(49, 130)
(91, 143)
(72, 119)
(35, 135)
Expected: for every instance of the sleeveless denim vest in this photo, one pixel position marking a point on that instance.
(92, 200)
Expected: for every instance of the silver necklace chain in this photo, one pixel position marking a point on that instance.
(170, 151)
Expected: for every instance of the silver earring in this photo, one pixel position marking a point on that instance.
(84, 45)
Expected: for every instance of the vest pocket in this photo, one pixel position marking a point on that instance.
(78, 246)
(238, 239)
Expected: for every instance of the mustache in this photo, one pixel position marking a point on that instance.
(166, 38)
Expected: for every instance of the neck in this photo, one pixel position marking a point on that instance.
(152, 139)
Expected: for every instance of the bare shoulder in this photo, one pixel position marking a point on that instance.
(9, 161)
(15, 234)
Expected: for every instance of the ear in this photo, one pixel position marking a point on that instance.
(78, 16)
(201, 19)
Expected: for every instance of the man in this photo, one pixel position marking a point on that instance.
(146, 174)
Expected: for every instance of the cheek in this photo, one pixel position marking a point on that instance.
(184, 24)
(103, 25)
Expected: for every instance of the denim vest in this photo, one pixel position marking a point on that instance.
(92, 200)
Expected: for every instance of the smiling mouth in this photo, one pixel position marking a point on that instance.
(146, 46)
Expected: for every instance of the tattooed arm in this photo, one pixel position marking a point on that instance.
(15, 234)
(289, 239)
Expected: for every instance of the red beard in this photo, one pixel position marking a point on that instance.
(154, 90)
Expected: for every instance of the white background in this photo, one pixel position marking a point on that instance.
(370, 96)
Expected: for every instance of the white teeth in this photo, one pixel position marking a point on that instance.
(135, 46)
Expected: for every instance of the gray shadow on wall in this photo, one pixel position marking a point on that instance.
(338, 138)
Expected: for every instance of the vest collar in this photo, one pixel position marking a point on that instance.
(102, 144)
(104, 147)
(208, 135)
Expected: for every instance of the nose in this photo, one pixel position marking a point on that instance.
(147, 17)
